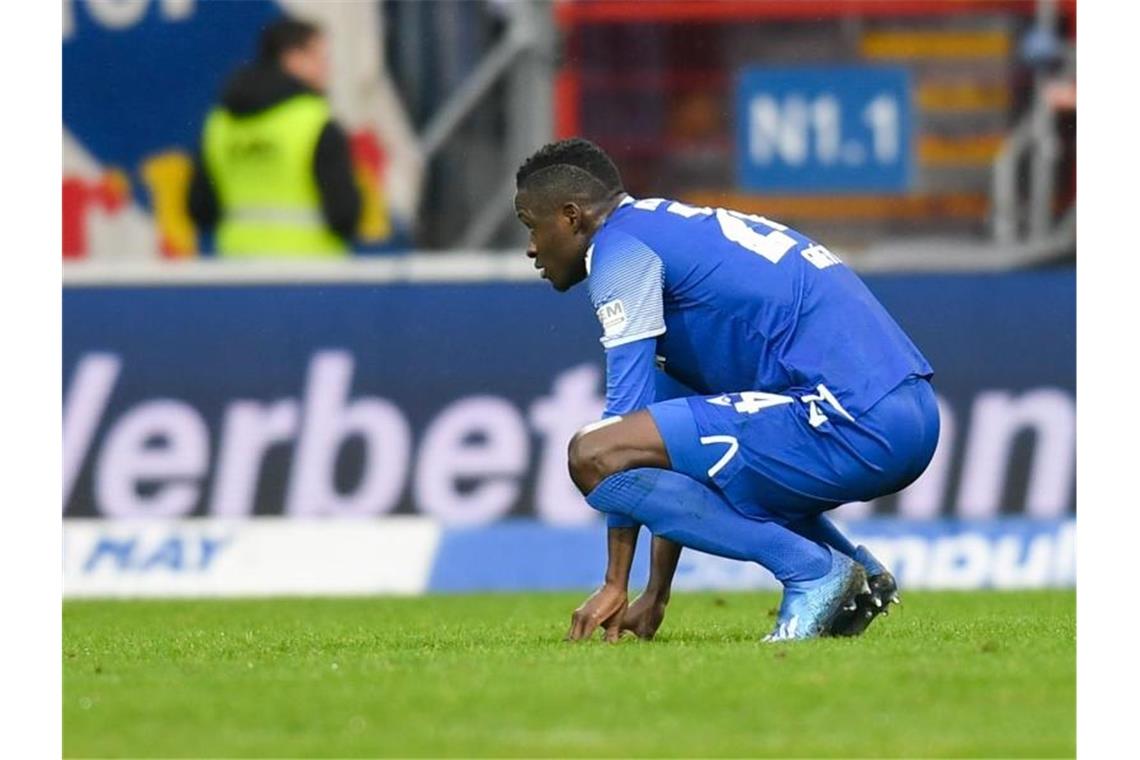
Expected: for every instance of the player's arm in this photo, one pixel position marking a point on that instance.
(647, 612)
(626, 289)
(606, 606)
(632, 384)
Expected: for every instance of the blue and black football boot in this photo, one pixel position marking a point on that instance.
(809, 609)
(875, 599)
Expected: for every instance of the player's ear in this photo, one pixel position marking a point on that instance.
(572, 213)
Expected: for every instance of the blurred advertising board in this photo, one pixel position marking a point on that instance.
(139, 77)
(824, 129)
(264, 557)
(414, 555)
(457, 401)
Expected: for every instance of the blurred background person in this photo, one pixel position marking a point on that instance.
(274, 176)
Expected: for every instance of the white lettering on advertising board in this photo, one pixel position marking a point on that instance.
(156, 457)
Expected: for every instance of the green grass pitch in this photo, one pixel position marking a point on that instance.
(947, 674)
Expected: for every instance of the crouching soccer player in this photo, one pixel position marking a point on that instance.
(807, 395)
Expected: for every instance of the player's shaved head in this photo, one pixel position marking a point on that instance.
(565, 192)
(569, 170)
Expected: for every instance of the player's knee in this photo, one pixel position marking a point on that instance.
(592, 459)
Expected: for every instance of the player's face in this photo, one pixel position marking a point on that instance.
(557, 243)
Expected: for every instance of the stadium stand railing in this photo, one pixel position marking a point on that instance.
(971, 89)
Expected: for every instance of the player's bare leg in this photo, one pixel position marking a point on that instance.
(614, 445)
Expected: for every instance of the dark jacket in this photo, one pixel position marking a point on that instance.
(259, 87)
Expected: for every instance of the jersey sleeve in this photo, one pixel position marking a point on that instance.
(626, 282)
(631, 384)
(631, 377)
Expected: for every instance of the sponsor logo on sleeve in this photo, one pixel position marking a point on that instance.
(612, 317)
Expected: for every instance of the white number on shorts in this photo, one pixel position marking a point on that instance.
(733, 447)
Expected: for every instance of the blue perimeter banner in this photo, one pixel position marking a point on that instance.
(457, 401)
(939, 554)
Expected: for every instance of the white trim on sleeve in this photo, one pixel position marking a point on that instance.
(632, 338)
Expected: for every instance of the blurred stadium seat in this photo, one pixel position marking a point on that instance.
(630, 68)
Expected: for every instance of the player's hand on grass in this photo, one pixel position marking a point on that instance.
(605, 608)
(644, 616)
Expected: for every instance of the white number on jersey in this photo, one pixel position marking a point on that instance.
(739, 229)
(771, 246)
(735, 226)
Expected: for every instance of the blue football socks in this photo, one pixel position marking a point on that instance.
(823, 531)
(679, 508)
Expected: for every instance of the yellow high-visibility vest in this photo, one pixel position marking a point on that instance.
(262, 168)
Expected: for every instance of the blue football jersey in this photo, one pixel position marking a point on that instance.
(730, 302)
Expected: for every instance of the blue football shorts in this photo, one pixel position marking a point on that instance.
(789, 455)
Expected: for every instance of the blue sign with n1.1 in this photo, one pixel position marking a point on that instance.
(833, 129)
